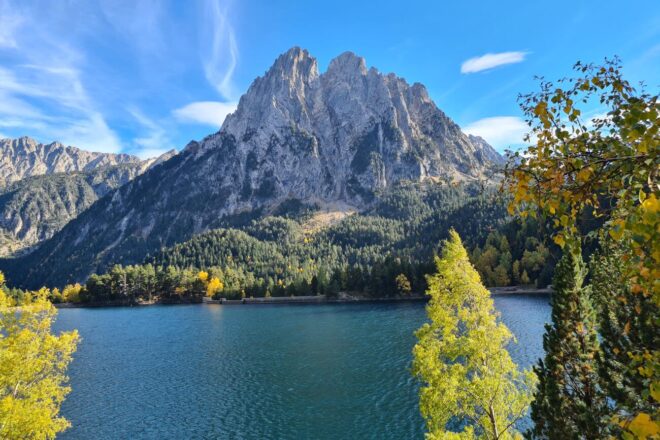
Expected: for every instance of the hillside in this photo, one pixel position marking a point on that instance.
(45, 186)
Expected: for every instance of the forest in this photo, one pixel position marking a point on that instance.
(384, 252)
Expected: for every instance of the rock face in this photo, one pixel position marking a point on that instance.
(486, 151)
(341, 136)
(52, 184)
(25, 157)
(34, 208)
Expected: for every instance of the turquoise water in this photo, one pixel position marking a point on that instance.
(258, 372)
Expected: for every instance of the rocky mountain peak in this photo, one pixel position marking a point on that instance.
(353, 113)
(347, 65)
(295, 66)
(25, 157)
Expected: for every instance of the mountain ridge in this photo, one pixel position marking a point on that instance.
(25, 157)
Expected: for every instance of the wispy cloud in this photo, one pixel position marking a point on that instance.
(74, 119)
(42, 93)
(91, 74)
(491, 60)
(499, 131)
(221, 55)
(154, 139)
(10, 22)
(205, 112)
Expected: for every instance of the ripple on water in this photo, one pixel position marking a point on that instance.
(257, 372)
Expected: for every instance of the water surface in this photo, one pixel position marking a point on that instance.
(258, 371)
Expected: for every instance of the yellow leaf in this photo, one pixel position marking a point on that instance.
(655, 391)
(584, 174)
(651, 204)
(541, 108)
(643, 426)
(616, 232)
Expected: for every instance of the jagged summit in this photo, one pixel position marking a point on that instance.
(347, 65)
(43, 186)
(341, 136)
(25, 157)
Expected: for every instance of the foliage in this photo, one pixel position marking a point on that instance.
(618, 308)
(402, 284)
(472, 388)
(33, 364)
(606, 168)
(214, 286)
(514, 250)
(568, 402)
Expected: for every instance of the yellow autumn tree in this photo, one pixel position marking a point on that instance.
(471, 388)
(214, 286)
(606, 167)
(71, 293)
(33, 364)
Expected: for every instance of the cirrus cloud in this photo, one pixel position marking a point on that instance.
(221, 55)
(491, 60)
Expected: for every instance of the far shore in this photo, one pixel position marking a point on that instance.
(343, 298)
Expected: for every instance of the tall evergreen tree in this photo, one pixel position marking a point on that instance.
(568, 402)
(626, 322)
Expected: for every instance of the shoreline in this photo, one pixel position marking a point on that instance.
(315, 299)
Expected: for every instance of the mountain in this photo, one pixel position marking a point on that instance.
(486, 151)
(35, 208)
(45, 186)
(25, 157)
(337, 138)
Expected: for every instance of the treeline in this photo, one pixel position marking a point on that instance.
(146, 283)
(140, 283)
(385, 252)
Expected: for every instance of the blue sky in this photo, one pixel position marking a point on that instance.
(144, 76)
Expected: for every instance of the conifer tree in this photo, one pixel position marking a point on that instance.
(471, 387)
(626, 322)
(568, 402)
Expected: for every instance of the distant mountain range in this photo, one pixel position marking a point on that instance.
(43, 187)
(338, 138)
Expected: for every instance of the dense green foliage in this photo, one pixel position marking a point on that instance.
(515, 254)
(568, 402)
(626, 322)
(280, 255)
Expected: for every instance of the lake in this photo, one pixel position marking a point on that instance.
(331, 371)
